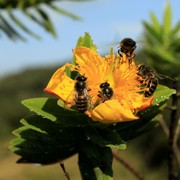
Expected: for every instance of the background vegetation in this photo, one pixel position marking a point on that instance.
(148, 153)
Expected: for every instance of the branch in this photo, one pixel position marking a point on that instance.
(128, 166)
(172, 127)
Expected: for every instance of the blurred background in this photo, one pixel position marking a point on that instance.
(32, 49)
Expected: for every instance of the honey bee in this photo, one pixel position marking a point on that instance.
(127, 46)
(148, 79)
(81, 97)
(106, 92)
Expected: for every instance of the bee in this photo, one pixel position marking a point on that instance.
(127, 46)
(148, 79)
(106, 92)
(81, 97)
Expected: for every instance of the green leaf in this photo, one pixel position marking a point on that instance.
(175, 30)
(43, 141)
(85, 41)
(7, 28)
(155, 23)
(64, 12)
(104, 137)
(101, 176)
(22, 26)
(48, 108)
(152, 32)
(148, 118)
(167, 18)
(47, 23)
(92, 156)
(86, 167)
(162, 94)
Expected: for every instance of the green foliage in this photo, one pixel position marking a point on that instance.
(162, 47)
(32, 9)
(85, 41)
(54, 133)
(16, 87)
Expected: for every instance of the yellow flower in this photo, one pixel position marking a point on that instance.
(121, 76)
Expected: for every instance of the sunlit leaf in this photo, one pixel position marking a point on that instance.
(167, 19)
(176, 29)
(155, 23)
(162, 94)
(148, 118)
(153, 33)
(85, 41)
(101, 176)
(48, 107)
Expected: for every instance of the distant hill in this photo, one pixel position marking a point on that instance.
(15, 88)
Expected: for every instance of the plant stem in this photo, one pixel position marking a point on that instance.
(176, 135)
(64, 170)
(128, 166)
(172, 127)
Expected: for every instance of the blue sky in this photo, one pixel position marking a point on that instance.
(107, 21)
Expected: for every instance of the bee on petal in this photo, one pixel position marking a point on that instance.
(82, 99)
(148, 79)
(106, 92)
(127, 46)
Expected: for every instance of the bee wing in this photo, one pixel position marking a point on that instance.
(163, 76)
(71, 97)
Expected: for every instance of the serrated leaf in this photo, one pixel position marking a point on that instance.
(91, 156)
(85, 41)
(43, 141)
(121, 146)
(48, 107)
(101, 176)
(148, 118)
(86, 167)
(162, 93)
(104, 137)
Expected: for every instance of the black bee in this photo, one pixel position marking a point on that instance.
(148, 79)
(106, 91)
(81, 97)
(127, 46)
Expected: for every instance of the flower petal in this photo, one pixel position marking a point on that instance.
(61, 85)
(91, 64)
(112, 111)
